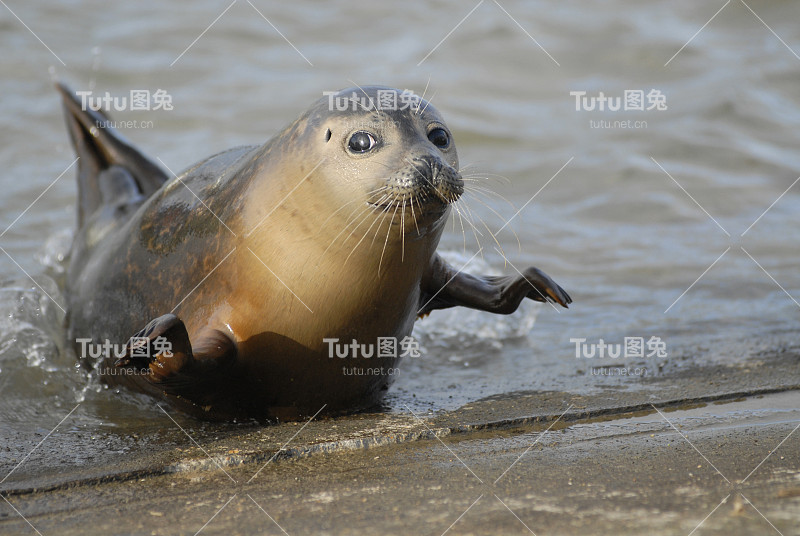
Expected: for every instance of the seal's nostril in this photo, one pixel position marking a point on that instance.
(429, 168)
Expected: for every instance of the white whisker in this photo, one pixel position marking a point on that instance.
(505, 221)
(470, 221)
(386, 241)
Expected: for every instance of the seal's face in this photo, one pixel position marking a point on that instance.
(399, 160)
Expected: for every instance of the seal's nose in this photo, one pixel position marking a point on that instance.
(429, 169)
(438, 177)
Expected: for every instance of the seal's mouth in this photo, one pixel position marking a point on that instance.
(425, 185)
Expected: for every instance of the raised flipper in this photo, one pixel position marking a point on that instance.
(163, 351)
(444, 287)
(100, 147)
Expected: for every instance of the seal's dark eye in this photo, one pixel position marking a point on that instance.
(439, 137)
(361, 142)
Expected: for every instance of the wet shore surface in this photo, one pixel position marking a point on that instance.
(713, 447)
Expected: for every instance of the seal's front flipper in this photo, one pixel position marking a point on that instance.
(445, 287)
(100, 147)
(164, 353)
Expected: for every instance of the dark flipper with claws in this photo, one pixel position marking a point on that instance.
(163, 353)
(445, 287)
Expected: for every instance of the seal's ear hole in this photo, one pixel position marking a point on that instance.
(328, 135)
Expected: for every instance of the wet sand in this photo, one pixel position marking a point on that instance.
(714, 447)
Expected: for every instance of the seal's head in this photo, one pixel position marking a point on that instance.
(392, 151)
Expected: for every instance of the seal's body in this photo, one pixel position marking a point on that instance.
(242, 267)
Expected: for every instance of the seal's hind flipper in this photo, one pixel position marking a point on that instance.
(100, 147)
(163, 352)
(445, 287)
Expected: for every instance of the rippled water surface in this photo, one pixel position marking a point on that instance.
(684, 225)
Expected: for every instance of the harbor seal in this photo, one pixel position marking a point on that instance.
(223, 283)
